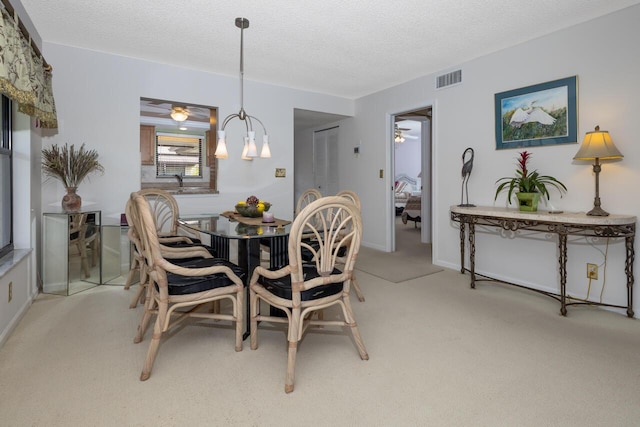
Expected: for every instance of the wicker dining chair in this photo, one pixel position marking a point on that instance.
(300, 289)
(177, 254)
(355, 199)
(170, 233)
(305, 198)
(181, 291)
(308, 196)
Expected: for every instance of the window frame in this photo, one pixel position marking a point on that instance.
(6, 150)
(201, 154)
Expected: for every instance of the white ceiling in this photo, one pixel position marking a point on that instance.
(345, 48)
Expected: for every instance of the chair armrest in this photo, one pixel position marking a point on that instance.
(179, 253)
(174, 239)
(204, 271)
(269, 274)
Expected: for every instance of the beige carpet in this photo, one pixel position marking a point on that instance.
(441, 354)
(411, 259)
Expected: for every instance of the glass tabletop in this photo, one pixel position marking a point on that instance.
(218, 225)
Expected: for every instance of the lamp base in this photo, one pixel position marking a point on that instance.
(597, 211)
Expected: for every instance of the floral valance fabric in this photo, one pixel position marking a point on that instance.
(23, 75)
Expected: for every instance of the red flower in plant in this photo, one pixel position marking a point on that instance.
(522, 162)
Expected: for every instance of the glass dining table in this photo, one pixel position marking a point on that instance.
(222, 231)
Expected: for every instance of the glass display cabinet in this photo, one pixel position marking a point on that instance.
(71, 260)
(116, 252)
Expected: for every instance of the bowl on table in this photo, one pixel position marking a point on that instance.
(252, 211)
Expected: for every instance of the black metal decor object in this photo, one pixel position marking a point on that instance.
(467, 165)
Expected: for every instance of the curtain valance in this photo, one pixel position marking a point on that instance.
(24, 75)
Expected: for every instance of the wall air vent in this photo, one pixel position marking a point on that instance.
(449, 79)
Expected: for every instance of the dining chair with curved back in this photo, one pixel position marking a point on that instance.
(180, 290)
(305, 198)
(178, 254)
(165, 213)
(355, 199)
(302, 288)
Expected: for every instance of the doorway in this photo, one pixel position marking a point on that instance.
(411, 147)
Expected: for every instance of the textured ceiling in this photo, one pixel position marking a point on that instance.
(345, 48)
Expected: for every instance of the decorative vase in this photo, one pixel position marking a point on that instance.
(528, 202)
(71, 202)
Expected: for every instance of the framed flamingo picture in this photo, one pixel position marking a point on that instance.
(542, 114)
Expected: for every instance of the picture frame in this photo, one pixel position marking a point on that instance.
(537, 115)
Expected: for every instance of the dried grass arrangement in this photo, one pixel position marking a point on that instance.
(69, 165)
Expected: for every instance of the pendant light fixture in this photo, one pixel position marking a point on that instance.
(249, 148)
(179, 114)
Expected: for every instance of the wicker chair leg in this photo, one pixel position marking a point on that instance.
(351, 322)
(138, 297)
(356, 288)
(146, 317)
(239, 314)
(154, 344)
(291, 366)
(132, 272)
(254, 301)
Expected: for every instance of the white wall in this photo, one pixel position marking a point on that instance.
(98, 102)
(607, 67)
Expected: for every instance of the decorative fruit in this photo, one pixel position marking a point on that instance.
(242, 202)
(260, 207)
(252, 200)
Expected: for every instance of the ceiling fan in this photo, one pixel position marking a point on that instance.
(400, 136)
(179, 113)
(167, 110)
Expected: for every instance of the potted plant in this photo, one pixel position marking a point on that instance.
(71, 167)
(528, 185)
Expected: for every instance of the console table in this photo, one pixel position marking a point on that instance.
(563, 224)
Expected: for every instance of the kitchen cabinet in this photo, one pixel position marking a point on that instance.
(147, 144)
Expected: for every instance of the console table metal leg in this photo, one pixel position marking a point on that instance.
(462, 247)
(562, 246)
(628, 268)
(472, 254)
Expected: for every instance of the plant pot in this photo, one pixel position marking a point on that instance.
(71, 202)
(528, 202)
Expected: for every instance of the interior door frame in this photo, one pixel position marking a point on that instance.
(427, 166)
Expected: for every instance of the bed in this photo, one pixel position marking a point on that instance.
(404, 188)
(412, 210)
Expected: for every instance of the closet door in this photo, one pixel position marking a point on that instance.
(325, 161)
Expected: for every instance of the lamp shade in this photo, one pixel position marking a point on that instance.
(221, 149)
(597, 145)
(252, 150)
(245, 149)
(266, 151)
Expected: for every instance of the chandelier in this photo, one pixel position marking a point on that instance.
(249, 150)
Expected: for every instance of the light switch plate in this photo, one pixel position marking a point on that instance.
(281, 172)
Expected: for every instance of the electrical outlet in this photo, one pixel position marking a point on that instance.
(10, 291)
(592, 271)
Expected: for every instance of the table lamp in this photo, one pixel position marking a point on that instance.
(597, 145)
